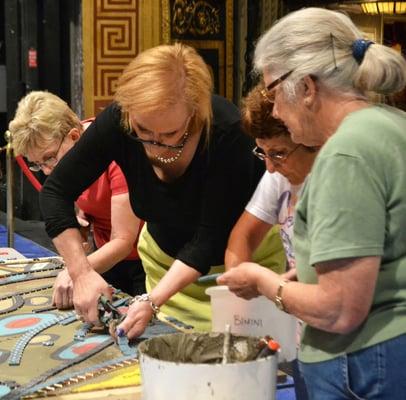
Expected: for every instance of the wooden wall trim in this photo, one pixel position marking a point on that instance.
(88, 60)
(150, 24)
(229, 44)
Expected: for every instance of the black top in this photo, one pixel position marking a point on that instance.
(189, 218)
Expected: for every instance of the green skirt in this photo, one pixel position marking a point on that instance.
(191, 305)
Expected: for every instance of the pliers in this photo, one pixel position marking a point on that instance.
(108, 312)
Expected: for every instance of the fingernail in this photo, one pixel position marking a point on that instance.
(120, 332)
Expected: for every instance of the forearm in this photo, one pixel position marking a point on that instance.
(124, 228)
(308, 302)
(237, 252)
(105, 257)
(179, 276)
(244, 239)
(69, 246)
(339, 302)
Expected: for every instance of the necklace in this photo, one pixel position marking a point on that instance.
(174, 158)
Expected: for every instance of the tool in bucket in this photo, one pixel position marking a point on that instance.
(226, 345)
(267, 346)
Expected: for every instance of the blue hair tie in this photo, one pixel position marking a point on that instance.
(359, 47)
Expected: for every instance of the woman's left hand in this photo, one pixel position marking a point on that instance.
(241, 280)
(138, 316)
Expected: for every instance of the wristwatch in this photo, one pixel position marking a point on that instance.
(278, 298)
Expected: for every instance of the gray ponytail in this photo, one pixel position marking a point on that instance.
(316, 41)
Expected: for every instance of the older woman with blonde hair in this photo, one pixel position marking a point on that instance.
(189, 170)
(349, 232)
(44, 129)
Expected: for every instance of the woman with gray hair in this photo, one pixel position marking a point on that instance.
(349, 233)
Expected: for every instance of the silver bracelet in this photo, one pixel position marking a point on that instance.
(146, 297)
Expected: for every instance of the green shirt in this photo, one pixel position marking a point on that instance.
(354, 205)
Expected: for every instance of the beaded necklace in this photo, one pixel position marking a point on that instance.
(174, 158)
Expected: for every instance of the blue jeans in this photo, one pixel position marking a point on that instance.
(300, 385)
(375, 373)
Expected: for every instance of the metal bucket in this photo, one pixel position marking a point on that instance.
(185, 378)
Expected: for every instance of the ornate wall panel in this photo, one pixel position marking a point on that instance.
(207, 25)
(110, 41)
(115, 31)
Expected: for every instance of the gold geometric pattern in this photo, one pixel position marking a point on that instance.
(110, 43)
(115, 31)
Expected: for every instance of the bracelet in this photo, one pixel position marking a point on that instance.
(278, 298)
(146, 297)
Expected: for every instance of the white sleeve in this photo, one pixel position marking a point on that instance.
(264, 201)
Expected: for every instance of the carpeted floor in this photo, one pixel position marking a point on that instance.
(24, 246)
(32, 230)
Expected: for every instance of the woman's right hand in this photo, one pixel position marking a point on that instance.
(140, 312)
(87, 288)
(241, 280)
(138, 316)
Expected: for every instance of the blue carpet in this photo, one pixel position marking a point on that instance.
(286, 391)
(24, 246)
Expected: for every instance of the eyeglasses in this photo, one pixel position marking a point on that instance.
(159, 144)
(277, 157)
(164, 145)
(268, 93)
(50, 162)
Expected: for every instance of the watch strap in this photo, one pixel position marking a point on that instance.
(278, 297)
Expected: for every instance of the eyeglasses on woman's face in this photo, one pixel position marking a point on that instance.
(277, 157)
(269, 91)
(139, 130)
(49, 161)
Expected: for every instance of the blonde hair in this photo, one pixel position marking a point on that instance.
(41, 118)
(163, 76)
(317, 41)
